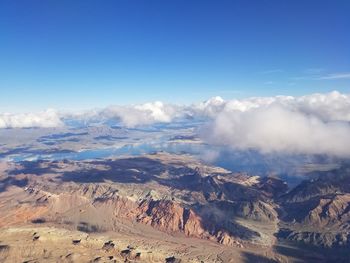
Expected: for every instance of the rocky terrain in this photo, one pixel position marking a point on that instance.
(166, 208)
(318, 211)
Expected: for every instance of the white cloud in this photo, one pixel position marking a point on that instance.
(271, 71)
(209, 108)
(345, 75)
(332, 106)
(314, 124)
(314, 70)
(44, 119)
(143, 114)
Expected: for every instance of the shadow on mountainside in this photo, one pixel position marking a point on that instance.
(312, 254)
(8, 181)
(140, 170)
(35, 168)
(249, 257)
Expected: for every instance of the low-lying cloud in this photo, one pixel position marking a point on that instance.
(312, 124)
(46, 119)
(279, 129)
(143, 114)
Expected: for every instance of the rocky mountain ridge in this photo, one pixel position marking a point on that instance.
(178, 195)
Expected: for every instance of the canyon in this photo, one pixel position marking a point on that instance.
(170, 199)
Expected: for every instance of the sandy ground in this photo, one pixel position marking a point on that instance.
(18, 244)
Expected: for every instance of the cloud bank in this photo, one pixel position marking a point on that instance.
(279, 129)
(311, 124)
(46, 119)
(144, 114)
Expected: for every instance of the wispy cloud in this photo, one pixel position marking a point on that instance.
(314, 70)
(271, 71)
(299, 78)
(343, 75)
(319, 74)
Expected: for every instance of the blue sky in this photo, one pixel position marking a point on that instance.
(84, 54)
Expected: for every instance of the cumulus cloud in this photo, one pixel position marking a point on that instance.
(314, 124)
(209, 108)
(143, 114)
(128, 115)
(45, 119)
(311, 124)
(332, 106)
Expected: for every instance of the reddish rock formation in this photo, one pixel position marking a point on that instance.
(170, 217)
